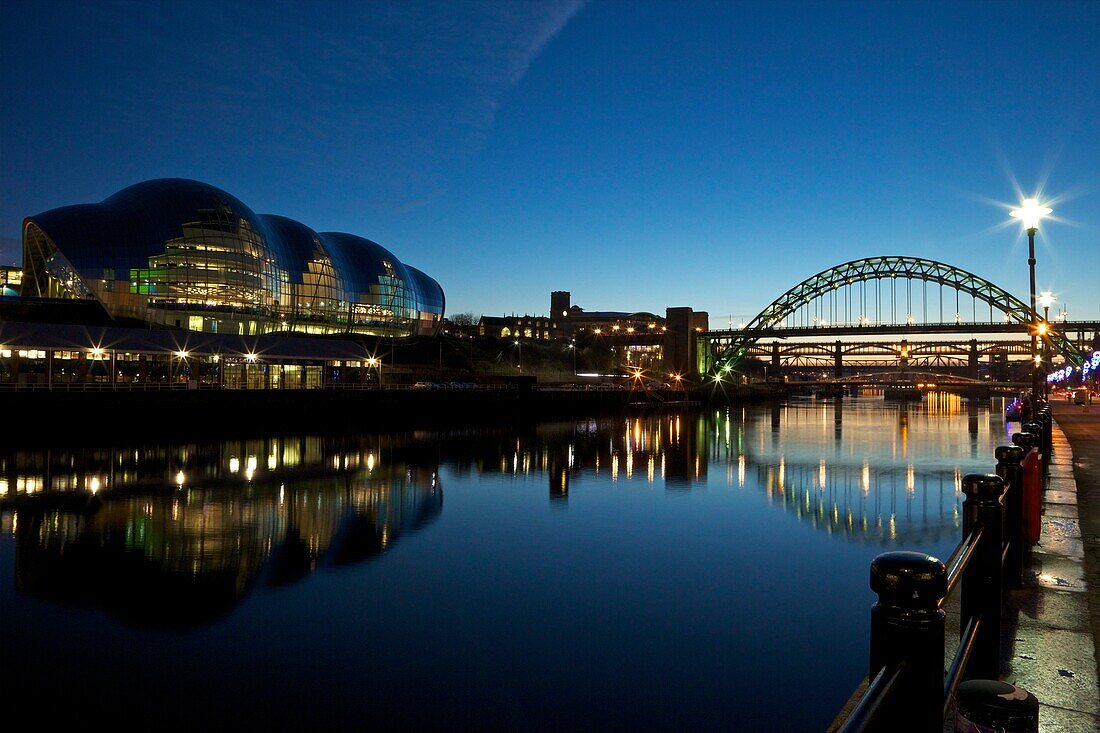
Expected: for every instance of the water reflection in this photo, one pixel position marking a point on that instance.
(176, 535)
(173, 534)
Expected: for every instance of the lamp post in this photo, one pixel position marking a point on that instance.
(1046, 299)
(573, 348)
(376, 363)
(1029, 214)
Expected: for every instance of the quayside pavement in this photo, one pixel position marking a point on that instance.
(1054, 619)
(1057, 613)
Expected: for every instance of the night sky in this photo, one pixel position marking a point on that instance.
(638, 154)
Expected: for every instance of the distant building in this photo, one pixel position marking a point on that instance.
(637, 339)
(11, 280)
(527, 327)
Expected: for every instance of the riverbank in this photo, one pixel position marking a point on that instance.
(179, 412)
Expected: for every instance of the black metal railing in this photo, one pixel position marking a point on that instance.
(909, 689)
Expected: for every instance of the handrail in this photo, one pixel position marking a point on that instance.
(870, 704)
(958, 664)
(908, 621)
(960, 559)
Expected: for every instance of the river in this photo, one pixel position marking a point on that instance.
(699, 571)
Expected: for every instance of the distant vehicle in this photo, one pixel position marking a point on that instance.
(1015, 411)
(1080, 396)
(424, 385)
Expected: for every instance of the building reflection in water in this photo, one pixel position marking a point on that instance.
(173, 536)
(176, 534)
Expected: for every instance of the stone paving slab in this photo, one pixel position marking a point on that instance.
(1057, 667)
(1067, 511)
(1060, 497)
(1054, 572)
(1053, 719)
(1061, 536)
(1057, 609)
(1061, 483)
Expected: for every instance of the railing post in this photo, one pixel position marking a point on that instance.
(1025, 440)
(1046, 421)
(1035, 427)
(981, 581)
(907, 627)
(1012, 473)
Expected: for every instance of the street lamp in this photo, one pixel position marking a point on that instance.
(1029, 214)
(375, 362)
(573, 348)
(1046, 299)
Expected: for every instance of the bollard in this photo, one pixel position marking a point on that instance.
(990, 706)
(1046, 420)
(1010, 471)
(907, 626)
(981, 581)
(1033, 427)
(1031, 498)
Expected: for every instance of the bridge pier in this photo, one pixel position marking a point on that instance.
(972, 363)
(777, 364)
(838, 360)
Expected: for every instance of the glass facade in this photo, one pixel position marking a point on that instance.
(182, 253)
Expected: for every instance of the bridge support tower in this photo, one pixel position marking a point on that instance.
(838, 360)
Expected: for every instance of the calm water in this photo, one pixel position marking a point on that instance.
(693, 571)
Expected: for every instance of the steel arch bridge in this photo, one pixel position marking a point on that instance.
(722, 351)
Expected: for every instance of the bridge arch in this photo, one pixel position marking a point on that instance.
(882, 268)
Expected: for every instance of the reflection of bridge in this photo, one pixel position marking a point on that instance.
(870, 309)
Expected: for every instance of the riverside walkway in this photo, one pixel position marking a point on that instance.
(1058, 611)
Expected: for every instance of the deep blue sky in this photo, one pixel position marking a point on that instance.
(638, 154)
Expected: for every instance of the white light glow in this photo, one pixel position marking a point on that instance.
(1030, 212)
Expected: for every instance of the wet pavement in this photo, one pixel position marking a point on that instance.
(1055, 651)
(1055, 618)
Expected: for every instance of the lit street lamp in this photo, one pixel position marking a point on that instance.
(1046, 299)
(1029, 214)
(377, 363)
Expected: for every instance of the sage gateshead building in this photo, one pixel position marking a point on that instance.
(178, 253)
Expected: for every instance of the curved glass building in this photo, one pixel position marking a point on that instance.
(185, 254)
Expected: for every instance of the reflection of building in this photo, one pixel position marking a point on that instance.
(184, 254)
(176, 536)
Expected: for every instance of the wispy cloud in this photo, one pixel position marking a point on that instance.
(388, 97)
